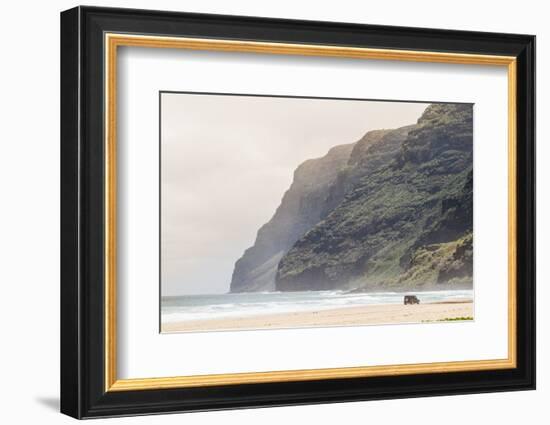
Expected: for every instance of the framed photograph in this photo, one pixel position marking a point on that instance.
(261, 212)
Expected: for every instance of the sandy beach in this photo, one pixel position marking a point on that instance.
(348, 316)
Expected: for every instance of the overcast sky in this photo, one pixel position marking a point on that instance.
(226, 163)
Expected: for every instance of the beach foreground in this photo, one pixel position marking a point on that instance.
(346, 316)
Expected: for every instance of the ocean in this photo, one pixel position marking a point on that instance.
(222, 306)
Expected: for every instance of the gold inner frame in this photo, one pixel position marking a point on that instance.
(113, 41)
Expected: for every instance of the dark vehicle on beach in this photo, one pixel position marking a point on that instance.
(411, 299)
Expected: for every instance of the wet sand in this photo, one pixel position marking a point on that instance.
(346, 316)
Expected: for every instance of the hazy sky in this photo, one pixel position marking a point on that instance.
(226, 163)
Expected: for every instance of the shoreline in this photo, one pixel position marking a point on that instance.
(373, 314)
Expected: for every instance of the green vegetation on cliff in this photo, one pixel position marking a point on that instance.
(398, 215)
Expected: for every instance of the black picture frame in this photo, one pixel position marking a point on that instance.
(83, 392)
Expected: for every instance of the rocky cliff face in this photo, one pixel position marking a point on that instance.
(403, 218)
(301, 208)
(392, 210)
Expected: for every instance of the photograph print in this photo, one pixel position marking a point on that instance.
(285, 212)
